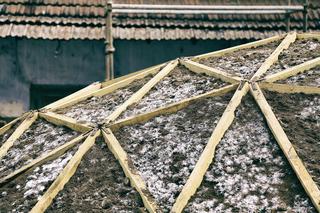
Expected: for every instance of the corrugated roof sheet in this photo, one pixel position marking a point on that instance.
(82, 19)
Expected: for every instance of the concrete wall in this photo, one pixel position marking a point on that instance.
(135, 55)
(24, 62)
(42, 62)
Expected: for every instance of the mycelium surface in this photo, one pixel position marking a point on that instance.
(166, 148)
(33, 143)
(243, 63)
(249, 173)
(180, 84)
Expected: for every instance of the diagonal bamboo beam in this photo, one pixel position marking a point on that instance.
(207, 155)
(135, 179)
(42, 159)
(287, 88)
(290, 38)
(201, 68)
(66, 174)
(9, 125)
(141, 92)
(291, 71)
(17, 133)
(84, 91)
(286, 147)
(59, 120)
(137, 73)
(109, 88)
(171, 108)
(239, 47)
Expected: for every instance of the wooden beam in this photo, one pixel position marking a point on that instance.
(171, 108)
(207, 155)
(286, 146)
(287, 88)
(314, 35)
(109, 88)
(17, 133)
(239, 47)
(290, 38)
(201, 68)
(141, 92)
(59, 120)
(66, 174)
(8, 126)
(153, 70)
(42, 159)
(135, 179)
(87, 90)
(291, 71)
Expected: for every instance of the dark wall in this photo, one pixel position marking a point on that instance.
(27, 63)
(135, 55)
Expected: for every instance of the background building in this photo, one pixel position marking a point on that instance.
(49, 48)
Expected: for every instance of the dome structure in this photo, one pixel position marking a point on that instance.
(236, 130)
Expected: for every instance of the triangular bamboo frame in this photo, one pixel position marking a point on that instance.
(241, 87)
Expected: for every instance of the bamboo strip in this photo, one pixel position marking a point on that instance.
(17, 133)
(47, 157)
(110, 88)
(147, 70)
(308, 35)
(87, 90)
(287, 148)
(207, 155)
(66, 174)
(171, 108)
(201, 68)
(8, 126)
(291, 71)
(239, 47)
(290, 38)
(135, 179)
(287, 88)
(141, 92)
(58, 119)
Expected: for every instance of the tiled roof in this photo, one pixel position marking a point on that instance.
(82, 19)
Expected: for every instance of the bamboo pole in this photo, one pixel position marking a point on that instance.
(286, 88)
(59, 120)
(239, 47)
(42, 159)
(109, 48)
(17, 133)
(141, 92)
(66, 174)
(87, 90)
(106, 88)
(200, 68)
(291, 71)
(207, 155)
(290, 38)
(113, 81)
(171, 108)
(315, 35)
(9, 125)
(135, 179)
(286, 146)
